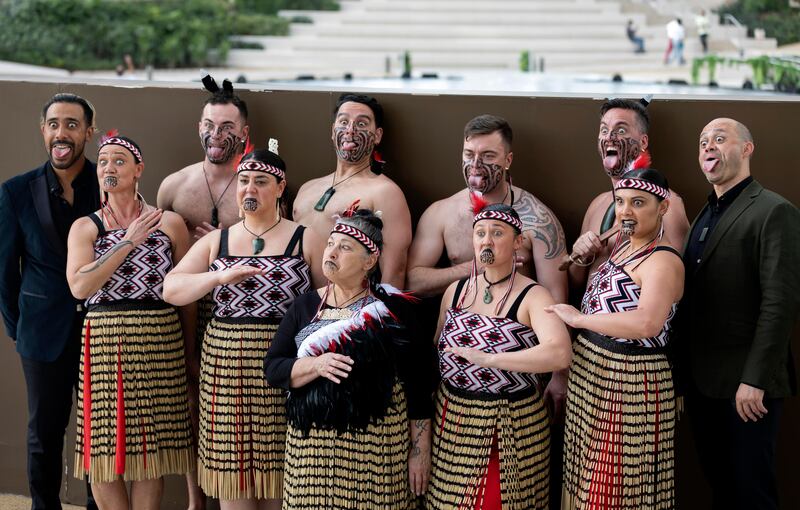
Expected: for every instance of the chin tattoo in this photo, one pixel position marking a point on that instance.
(628, 227)
(487, 257)
(110, 181)
(491, 173)
(363, 139)
(249, 204)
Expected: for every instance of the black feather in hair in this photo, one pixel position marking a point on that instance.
(209, 82)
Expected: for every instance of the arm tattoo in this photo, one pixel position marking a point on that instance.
(107, 255)
(415, 442)
(538, 218)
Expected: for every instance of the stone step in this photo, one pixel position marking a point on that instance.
(460, 18)
(452, 6)
(380, 30)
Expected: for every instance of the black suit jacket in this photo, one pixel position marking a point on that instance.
(741, 303)
(38, 308)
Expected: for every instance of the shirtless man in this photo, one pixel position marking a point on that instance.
(204, 194)
(447, 224)
(622, 138)
(355, 133)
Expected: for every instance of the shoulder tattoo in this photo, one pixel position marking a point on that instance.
(540, 220)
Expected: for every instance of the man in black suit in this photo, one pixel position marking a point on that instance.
(740, 304)
(37, 209)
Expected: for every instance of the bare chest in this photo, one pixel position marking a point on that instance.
(307, 204)
(194, 203)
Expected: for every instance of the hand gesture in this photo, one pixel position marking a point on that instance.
(567, 313)
(236, 274)
(204, 229)
(587, 246)
(474, 356)
(143, 226)
(333, 366)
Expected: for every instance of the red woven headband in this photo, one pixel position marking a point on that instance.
(124, 143)
(643, 185)
(358, 235)
(498, 215)
(252, 164)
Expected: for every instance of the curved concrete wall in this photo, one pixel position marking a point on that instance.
(555, 158)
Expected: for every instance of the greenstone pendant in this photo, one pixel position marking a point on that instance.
(215, 217)
(324, 199)
(487, 296)
(258, 245)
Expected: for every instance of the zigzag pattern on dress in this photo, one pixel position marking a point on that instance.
(489, 334)
(265, 296)
(612, 290)
(141, 274)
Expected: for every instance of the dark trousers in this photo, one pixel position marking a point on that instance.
(737, 458)
(50, 386)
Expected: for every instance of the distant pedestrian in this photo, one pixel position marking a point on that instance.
(630, 30)
(676, 33)
(702, 22)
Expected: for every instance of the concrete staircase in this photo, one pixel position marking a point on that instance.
(368, 37)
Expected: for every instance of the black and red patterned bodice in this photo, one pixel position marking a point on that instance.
(463, 328)
(266, 296)
(612, 290)
(140, 277)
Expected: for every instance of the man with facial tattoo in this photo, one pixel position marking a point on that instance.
(622, 139)
(41, 316)
(446, 226)
(356, 131)
(204, 194)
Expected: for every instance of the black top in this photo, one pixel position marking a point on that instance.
(295, 241)
(416, 359)
(513, 311)
(707, 221)
(85, 199)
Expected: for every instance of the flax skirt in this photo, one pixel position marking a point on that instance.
(242, 419)
(463, 432)
(620, 426)
(133, 411)
(355, 470)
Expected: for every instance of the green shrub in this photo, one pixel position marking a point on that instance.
(774, 16)
(95, 34)
(273, 6)
(259, 24)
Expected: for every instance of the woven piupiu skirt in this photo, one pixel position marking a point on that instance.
(242, 419)
(463, 432)
(133, 411)
(620, 427)
(356, 470)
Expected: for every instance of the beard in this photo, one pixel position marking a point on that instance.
(482, 177)
(77, 152)
(363, 141)
(220, 152)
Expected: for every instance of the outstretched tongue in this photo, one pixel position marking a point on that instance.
(709, 164)
(215, 152)
(476, 182)
(61, 152)
(611, 161)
